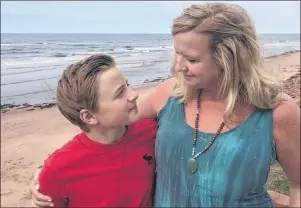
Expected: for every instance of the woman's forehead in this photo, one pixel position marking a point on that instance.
(191, 43)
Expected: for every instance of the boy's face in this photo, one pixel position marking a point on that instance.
(117, 101)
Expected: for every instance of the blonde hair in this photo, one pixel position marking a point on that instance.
(234, 49)
(79, 86)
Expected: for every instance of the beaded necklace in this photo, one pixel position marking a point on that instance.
(192, 164)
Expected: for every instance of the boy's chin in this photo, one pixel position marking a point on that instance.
(133, 119)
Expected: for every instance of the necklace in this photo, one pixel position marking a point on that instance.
(192, 164)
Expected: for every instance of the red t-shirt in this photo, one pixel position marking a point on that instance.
(84, 173)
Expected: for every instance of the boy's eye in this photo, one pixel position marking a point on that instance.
(121, 92)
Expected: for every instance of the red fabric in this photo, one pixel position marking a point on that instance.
(84, 173)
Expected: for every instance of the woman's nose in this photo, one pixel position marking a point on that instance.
(180, 64)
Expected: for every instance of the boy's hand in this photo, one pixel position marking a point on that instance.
(40, 200)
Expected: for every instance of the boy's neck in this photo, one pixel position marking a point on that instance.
(107, 136)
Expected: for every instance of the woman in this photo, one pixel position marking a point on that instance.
(222, 119)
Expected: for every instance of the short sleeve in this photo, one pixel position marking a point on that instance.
(53, 186)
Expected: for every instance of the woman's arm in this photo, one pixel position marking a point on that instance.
(153, 103)
(286, 132)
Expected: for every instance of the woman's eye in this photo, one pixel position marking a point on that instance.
(192, 60)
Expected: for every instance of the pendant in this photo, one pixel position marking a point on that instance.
(192, 165)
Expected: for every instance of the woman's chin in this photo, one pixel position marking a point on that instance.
(190, 83)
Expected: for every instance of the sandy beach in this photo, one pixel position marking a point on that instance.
(29, 135)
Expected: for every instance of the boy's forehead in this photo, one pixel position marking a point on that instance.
(111, 79)
(110, 75)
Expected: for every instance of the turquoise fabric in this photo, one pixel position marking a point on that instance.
(232, 172)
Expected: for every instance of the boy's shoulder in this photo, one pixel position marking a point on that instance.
(145, 125)
(144, 129)
(65, 154)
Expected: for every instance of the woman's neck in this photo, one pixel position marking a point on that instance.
(107, 136)
(210, 94)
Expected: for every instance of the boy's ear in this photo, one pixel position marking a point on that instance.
(87, 117)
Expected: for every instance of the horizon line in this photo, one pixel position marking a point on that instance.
(122, 33)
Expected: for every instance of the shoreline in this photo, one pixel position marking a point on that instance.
(5, 108)
(146, 84)
(285, 53)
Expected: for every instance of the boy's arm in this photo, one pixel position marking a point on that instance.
(52, 185)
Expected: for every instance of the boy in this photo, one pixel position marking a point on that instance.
(111, 163)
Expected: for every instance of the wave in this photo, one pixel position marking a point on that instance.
(11, 50)
(142, 49)
(28, 93)
(21, 52)
(49, 59)
(82, 44)
(59, 55)
(152, 62)
(93, 46)
(33, 80)
(15, 44)
(51, 43)
(282, 43)
(30, 71)
(43, 43)
(128, 47)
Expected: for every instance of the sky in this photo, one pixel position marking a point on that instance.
(130, 16)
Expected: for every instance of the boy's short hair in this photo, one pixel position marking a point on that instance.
(79, 86)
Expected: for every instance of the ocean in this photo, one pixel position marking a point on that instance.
(31, 64)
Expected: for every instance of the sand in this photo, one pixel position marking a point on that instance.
(29, 135)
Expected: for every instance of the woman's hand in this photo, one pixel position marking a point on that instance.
(40, 200)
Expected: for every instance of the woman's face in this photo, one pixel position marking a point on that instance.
(194, 61)
(117, 101)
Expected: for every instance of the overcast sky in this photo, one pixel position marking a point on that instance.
(130, 17)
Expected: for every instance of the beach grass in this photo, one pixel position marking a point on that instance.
(277, 180)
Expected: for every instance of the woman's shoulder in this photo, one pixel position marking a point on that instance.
(286, 115)
(286, 107)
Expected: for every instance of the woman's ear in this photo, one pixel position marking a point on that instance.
(87, 117)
